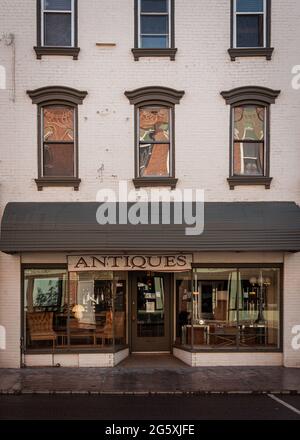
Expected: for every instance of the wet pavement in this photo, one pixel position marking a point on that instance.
(144, 376)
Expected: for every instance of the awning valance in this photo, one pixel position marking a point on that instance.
(72, 227)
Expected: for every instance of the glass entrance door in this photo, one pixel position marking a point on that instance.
(150, 312)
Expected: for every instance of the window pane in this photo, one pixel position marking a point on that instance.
(154, 6)
(150, 307)
(154, 24)
(154, 160)
(152, 41)
(183, 308)
(58, 123)
(249, 5)
(58, 5)
(250, 31)
(215, 300)
(248, 158)
(154, 124)
(46, 303)
(58, 29)
(59, 160)
(259, 312)
(249, 122)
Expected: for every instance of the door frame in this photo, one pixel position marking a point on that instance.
(131, 287)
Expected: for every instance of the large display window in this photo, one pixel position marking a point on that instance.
(76, 310)
(229, 308)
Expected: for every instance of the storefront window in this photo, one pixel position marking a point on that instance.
(184, 308)
(91, 313)
(229, 309)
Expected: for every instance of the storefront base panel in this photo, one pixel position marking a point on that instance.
(76, 360)
(228, 359)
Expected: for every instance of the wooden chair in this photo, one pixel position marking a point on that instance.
(40, 326)
(108, 332)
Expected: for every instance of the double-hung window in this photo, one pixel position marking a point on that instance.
(251, 21)
(57, 27)
(250, 135)
(57, 135)
(154, 28)
(155, 137)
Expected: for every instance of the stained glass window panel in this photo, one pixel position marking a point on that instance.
(249, 122)
(154, 160)
(154, 124)
(248, 158)
(58, 123)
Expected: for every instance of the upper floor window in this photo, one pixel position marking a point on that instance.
(57, 135)
(154, 28)
(251, 22)
(250, 135)
(155, 138)
(57, 28)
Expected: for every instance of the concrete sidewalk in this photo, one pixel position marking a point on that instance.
(135, 378)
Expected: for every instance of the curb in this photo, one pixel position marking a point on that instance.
(148, 393)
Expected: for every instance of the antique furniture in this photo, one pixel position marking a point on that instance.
(40, 326)
(109, 331)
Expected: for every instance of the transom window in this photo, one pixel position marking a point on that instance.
(248, 140)
(58, 23)
(154, 23)
(154, 142)
(250, 23)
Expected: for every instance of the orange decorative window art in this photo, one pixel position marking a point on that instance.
(58, 141)
(58, 123)
(154, 141)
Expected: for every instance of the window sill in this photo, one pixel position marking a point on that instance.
(60, 181)
(143, 182)
(140, 52)
(249, 180)
(251, 52)
(67, 51)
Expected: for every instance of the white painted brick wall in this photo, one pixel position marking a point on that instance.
(106, 129)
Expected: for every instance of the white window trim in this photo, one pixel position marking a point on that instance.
(235, 13)
(154, 13)
(71, 11)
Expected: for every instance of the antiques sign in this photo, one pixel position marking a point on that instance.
(156, 263)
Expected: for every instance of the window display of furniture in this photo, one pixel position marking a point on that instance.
(108, 332)
(40, 326)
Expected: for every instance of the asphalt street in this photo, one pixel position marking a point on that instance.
(153, 407)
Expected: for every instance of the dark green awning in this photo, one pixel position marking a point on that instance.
(72, 227)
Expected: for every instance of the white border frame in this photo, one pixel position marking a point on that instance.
(72, 12)
(235, 13)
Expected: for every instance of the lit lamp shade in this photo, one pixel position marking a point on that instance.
(253, 280)
(78, 310)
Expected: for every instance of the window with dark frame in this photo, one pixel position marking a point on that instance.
(250, 23)
(250, 29)
(58, 141)
(154, 24)
(57, 28)
(250, 135)
(154, 148)
(57, 135)
(154, 29)
(155, 137)
(248, 153)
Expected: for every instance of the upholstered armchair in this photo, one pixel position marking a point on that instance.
(108, 332)
(40, 327)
